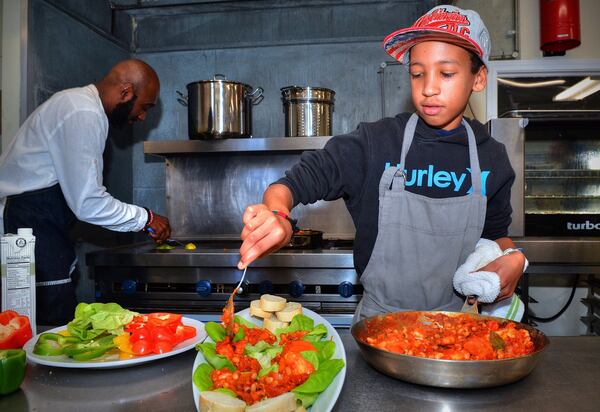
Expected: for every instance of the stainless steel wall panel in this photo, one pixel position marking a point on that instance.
(268, 23)
(207, 195)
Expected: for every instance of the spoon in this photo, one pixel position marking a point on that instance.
(228, 310)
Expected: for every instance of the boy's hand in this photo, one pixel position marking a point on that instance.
(509, 269)
(263, 233)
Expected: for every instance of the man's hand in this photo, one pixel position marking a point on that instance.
(263, 233)
(161, 230)
(509, 269)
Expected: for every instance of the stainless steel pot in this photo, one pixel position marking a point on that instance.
(308, 111)
(449, 373)
(219, 108)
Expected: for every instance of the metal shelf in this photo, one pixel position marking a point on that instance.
(254, 144)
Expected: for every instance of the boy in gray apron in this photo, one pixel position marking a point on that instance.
(422, 188)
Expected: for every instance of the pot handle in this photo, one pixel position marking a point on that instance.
(219, 77)
(182, 99)
(256, 96)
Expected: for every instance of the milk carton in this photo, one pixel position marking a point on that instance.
(17, 254)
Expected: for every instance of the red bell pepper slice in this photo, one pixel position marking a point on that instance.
(163, 319)
(15, 330)
(157, 332)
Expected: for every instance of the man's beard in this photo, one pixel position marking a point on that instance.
(119, 117)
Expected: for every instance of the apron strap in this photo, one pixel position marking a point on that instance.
(388, 176)
(476, 182)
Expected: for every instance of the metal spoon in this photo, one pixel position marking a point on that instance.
(229, 309)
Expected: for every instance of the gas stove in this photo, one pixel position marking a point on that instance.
(198, 282)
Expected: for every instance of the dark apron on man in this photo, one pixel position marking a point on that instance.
(421, 241)
(47, 213)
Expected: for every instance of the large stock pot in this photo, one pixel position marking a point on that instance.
(220, 108)
(448, 373)
(308, 111)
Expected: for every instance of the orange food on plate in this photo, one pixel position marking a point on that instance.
(292, 370)
(440, 336)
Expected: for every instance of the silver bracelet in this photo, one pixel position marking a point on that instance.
(520, 250)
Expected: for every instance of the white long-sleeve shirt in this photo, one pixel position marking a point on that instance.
(62, 142)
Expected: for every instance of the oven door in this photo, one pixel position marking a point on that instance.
(561, 161)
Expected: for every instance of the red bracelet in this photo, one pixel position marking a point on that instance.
(150, 217)
(288, 218)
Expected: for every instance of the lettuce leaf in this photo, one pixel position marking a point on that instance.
(239, 335)
(307, 399)
(315, 335)
(265, 357)
(260, 346)
(312, 357)
(226, 392)
(94, 319)
(217, 361)
(241, 321)
(325, 349)
(201, 377)
(299, 322)
(320, 379)
(215, 330)
(266, 371)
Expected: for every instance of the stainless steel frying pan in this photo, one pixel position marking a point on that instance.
(450, 373)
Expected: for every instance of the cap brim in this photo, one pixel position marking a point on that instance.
(401, 41)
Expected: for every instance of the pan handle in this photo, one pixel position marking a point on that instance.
(470, 305)
(182, 99)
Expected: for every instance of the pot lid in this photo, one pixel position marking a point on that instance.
(219, 78)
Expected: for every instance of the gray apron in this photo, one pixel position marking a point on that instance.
(421, 241)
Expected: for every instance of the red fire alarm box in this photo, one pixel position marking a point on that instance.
(559, 26)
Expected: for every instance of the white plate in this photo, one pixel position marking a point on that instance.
(66, 362)
(326, 399)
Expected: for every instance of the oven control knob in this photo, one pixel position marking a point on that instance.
(346, 289)
(203, 287)
(296, 288)
(265, 287)
(129, 286)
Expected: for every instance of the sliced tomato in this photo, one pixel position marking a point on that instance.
(184, 332)
(163, 318)
(298, 346)
(142, 333)
(162, 334)
(142, 347)
(130, 327)
(162, 347)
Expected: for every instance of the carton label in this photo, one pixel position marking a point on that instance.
(17, 256)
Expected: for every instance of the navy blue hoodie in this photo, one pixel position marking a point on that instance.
(437, 165)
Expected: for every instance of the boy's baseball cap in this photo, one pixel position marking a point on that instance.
(445, 23)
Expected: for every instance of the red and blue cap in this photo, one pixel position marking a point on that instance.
(447, 24)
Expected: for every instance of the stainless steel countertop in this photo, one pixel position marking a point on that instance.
(567, 379)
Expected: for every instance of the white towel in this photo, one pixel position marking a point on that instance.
(486, 285)
(512, 309)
